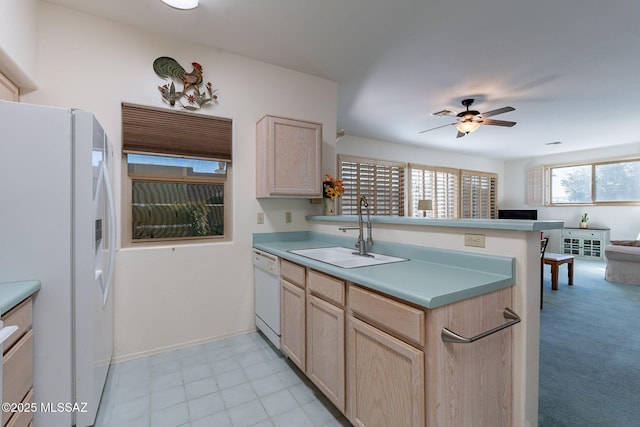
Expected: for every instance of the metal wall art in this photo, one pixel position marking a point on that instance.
(168, 68)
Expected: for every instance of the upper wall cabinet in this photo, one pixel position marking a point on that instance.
(289, 158)
(8, 91)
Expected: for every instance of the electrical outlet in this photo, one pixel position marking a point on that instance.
(475, 240)
(260, 218)
(287, 217)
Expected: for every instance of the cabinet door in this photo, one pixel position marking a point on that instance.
(17, 375)
(292, 328)
(470, 384)
(386, 379)
(8, 91)
(289, 158)
(325, 348)
(585, 243)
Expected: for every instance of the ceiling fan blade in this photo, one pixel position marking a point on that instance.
(438, 127)
(492, 122)
(460, 134)
(498, 111)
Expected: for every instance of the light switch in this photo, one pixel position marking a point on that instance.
(260, 218)
(287, 217)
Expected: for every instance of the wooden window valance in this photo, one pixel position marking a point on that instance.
(175, 133)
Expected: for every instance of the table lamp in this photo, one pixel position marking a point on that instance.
(424, 205)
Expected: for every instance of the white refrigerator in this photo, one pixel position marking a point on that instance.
(57, 225)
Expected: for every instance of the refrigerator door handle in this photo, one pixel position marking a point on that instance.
(112, 233)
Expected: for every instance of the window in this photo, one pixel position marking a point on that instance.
(440, 185)
(381, 182)
(176, 175)
(454, 193)
(571, 184)
(176, 198)
(478, 194)
(595, 183)
(617, 182)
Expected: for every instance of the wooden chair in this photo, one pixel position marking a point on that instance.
(543, 248)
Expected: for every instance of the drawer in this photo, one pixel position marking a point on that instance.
(19, 316)
(22, 419)
(326, 287)
(17, 371)
(293, 272)
(388, 314)
(583, 234)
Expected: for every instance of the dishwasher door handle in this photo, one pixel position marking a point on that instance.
(452, 337)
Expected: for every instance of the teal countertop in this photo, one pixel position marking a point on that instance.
(490, 224)
(12, 293)
(431, 278)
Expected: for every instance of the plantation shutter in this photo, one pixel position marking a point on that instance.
(478, 194)
(164, 132)
(535, 186)
(440, 185)
(381, 182)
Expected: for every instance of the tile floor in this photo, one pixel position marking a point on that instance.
(236, 382)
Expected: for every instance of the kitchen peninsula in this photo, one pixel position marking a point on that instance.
(442, 242)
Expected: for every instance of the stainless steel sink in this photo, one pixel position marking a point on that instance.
(345, 257)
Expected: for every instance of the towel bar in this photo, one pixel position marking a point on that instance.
(450, 336)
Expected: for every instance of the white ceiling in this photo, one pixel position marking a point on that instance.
(570, 68)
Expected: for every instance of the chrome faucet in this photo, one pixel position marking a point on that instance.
(362, 244)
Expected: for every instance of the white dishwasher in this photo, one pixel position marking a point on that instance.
(266, 271)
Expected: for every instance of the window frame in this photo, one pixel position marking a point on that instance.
(437, 200)
(396, 207)
(163, 132)
(458, 188)
(492, 208)
(548, 170)
(127, 202)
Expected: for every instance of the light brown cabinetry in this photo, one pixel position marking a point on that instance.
(386, 374)
(293, 313)
(288, 158)
(325, 336)
(470, 384)
(383, 361)
(17, 363)
(8, 91)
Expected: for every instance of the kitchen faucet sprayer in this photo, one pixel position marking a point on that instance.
(362, 244)
(369, 235)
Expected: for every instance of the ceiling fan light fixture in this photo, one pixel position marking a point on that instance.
(182, 4)
(467, 127)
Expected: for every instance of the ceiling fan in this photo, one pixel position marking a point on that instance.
(469, 120)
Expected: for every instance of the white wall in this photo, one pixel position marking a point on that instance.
(19, 42)
(385, 150)
(624, 221)
(365, 147)
(172, 296)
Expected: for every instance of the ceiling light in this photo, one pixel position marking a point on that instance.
(467, 126)
(182, 4)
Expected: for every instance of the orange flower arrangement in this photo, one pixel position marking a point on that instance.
(333, 188)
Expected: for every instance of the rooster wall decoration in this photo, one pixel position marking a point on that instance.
(168, 68)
